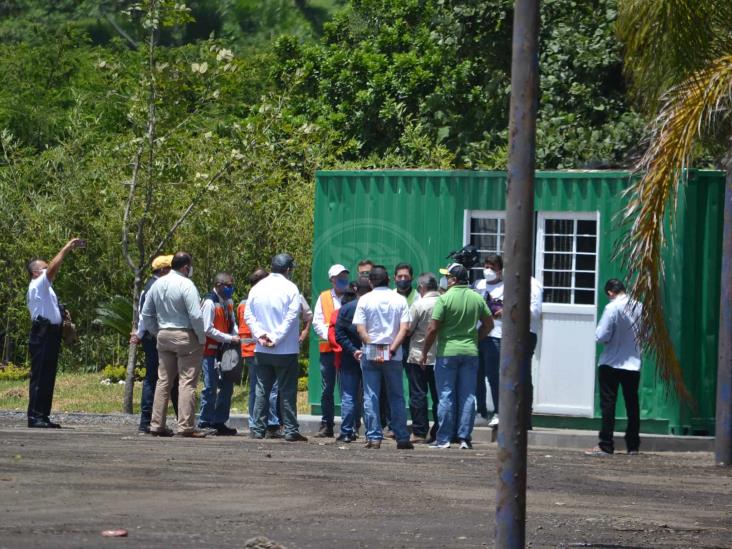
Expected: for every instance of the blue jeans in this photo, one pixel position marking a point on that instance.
(284, 370)
(215, 396)
(490, 356)
(273, 418)
(350, 378)
(455, 377)
(391, 372)
(327, 384)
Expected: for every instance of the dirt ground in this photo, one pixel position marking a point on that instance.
(62, 488)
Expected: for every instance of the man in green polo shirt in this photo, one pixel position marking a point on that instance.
(455, 320)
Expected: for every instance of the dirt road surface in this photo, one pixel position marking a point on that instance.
(62, 488)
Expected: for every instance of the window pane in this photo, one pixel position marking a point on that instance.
(484, 242)
(557, 279)
(585, 262)
(586, 243)
(558, 243)
(559, 226)
(584, 297)
(561, 262)
(556, 296)
(584, 280)
(587, 227)
(483, 225)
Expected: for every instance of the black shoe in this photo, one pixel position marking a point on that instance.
(224, 430)
(256, 436)
(325, 432)
(373, 444)
(206, 425)
(164, 433)
(143, 429)
(42, 424)
(295, 437)
(273, 433)
(345, 437)
(404, 445)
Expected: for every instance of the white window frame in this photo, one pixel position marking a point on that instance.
(539, 271)
(499, 215)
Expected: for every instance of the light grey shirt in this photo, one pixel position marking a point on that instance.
(617, 329)
(421, 313)
(173, 302)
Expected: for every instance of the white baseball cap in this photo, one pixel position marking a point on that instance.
(336, 269)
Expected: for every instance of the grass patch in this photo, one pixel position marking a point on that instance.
(85, 393)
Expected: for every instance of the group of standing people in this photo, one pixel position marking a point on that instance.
(446, 336)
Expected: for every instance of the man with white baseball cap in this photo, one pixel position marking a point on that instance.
(328, 301)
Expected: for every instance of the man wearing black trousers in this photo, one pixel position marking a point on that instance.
(45, 337)
(620, 364)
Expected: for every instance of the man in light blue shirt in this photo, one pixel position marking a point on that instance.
(172, 312)
(620, 364)
(272, 314)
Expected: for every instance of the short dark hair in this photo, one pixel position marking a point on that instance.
(257, 275)
(615, 286)
(494, 259)
(379, 276)
(221, 278)
(365, 262)
(402, 266)
(349, 295)
(180, 260)
(363, 285)
(428, 281)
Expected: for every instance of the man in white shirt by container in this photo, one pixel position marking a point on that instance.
(44, 343)
(382, 321)
(272, 313)
(620, 364)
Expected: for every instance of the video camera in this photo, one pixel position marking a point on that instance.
(467, 256)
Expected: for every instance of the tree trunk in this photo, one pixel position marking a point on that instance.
(132, 351)
(723, 424)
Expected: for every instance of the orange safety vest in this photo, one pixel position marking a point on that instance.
(247, 349)
(327, 305)
(222, 322)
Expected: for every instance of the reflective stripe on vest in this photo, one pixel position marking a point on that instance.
(327, 306)
(221, 322)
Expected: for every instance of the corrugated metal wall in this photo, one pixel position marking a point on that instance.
(418, 216)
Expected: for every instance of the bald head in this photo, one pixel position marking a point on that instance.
(35, 267)
(257, 275)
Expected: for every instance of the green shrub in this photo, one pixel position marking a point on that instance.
(118, 372)
(13, 372)
(302, 384)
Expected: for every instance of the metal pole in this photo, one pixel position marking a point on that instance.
(515, 361)
(723, 427)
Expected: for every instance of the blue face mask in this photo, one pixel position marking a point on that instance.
(341, 284)
(228, 292)
(404, 284)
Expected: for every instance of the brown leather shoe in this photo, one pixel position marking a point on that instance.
(373, 444)
(389, 434)
(416, 439)
(194, 434)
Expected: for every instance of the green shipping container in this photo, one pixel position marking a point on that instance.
(420, 216)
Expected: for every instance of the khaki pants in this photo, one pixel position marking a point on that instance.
(180, 355)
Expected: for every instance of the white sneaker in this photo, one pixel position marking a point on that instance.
(494, 421)
(442, 445)
(465, 445)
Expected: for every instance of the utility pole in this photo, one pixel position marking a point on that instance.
(515, 374)
(723, 426)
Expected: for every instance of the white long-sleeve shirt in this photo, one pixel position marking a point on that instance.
(273, 308)
(208, 312)
(320, 323)
(617, 330)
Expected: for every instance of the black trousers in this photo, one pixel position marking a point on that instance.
(421, 381)
(610, 378)
(44, 345)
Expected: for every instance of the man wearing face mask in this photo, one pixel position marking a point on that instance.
(491, 288)
(220, 326)
(172, 312)
(328, 302)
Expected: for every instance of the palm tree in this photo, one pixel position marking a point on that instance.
(679, 61)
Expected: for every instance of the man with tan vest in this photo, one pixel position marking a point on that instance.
(328, 301)
(220, 326)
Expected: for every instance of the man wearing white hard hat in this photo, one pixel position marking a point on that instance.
(328, 301)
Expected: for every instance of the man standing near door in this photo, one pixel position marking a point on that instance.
(620, 364)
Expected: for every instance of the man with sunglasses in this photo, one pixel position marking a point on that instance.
(219, 323)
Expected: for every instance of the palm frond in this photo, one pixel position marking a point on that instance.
(116, 314)
(689, 110)
(668, 40)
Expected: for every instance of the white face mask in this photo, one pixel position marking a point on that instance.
(490, 274)
(190, 271)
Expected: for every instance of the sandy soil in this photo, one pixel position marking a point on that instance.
(62, 488)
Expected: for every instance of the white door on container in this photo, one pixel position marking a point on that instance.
(566, 264)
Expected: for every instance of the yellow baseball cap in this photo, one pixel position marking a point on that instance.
(161, 262)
